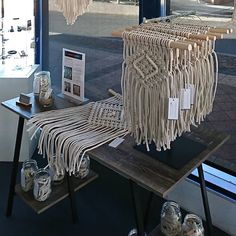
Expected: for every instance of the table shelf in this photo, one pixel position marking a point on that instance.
(59, 192)
(156, 231)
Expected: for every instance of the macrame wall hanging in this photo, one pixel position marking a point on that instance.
(72, 9)
(166, 64)
(68, 134)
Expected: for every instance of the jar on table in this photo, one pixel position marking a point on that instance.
(84, 168)
(42, 185)
(192, 226)
(171, 219)
(42, 80)
(28, 170)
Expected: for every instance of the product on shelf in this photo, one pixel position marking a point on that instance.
(42, 185)
(28, 171)
(171, 219)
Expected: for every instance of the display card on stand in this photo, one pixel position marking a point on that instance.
(73, 75)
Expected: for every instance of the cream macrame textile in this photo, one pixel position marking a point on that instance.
(67, 134)
(155, 69)
(72, 9)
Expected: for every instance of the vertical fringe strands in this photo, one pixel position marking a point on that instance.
(69, 133)
(158, 63)
(72, 9)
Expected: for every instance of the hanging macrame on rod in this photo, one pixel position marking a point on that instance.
(72, 9)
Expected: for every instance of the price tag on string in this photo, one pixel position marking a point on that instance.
(173, 109)
(185, 99)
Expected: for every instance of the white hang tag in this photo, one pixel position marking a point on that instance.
(192, 93)
(173, 109)
(116, 142)
(185, 98)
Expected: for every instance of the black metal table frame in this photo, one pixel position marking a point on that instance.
(11, 194)
(142, 219)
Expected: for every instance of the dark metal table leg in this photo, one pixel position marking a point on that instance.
(137, 210)
(72, 198)
(15, 166)
(148, 207)
(205, 201)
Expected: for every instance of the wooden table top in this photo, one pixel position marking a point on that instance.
(150, 173)
(27, 112)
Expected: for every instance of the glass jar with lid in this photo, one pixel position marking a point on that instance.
(42, 82)
(57, 171)
(192, 226)
(28, 170)
(171, 219)
(84, 168)
(42, 185)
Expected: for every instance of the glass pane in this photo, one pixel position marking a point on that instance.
(218, 13)
(92, 34)
(17, 33)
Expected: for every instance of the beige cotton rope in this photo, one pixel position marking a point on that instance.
(68, 134)
(154, 71)
(72, 9)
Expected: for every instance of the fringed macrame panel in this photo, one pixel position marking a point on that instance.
(69, 133)
(160, 61)
(72, 9)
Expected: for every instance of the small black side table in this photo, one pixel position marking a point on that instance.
(25, 112)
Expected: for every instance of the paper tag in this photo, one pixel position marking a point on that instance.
(185, 98)
(116, 142)
(173, 108)
(192, 93)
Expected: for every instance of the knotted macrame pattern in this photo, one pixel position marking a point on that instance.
(68, 134)
(158, 66)
(72, 9)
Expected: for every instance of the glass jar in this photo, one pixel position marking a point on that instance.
(42, 185)
(171, 219)
(29, 167)
(42, 80)
(192, 226)
(57, 172)
(84, 168)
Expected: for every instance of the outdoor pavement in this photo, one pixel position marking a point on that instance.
(91, 34)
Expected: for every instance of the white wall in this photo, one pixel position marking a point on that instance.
(10, 88)
(223, 210)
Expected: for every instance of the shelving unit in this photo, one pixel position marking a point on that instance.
(59, 192)
(17, 33)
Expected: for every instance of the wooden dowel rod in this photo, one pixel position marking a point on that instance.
(199, 36)
(193, 43)
(112, 92)
(220, 30)
(117, 34)
(212, 37)
(181, 45)
(197, 42)
(217, 35)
